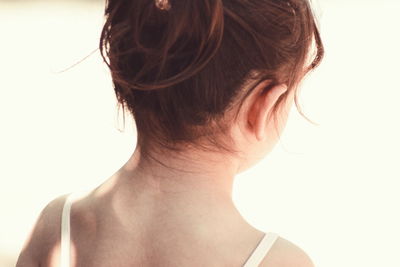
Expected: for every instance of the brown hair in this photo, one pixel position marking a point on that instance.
(177, 70)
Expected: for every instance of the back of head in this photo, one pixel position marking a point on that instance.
(179, 65)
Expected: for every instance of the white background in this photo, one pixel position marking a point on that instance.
(333, 189)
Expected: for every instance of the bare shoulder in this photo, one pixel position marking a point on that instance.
(44, 236)
(286, 254)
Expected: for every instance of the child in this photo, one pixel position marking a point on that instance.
(210, 84)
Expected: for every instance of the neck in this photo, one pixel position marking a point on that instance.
(192, 188)
(184, 173)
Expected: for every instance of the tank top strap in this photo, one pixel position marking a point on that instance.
(66, 232)
(261, 250)
(65, 248)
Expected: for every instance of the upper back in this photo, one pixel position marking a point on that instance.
(94, 244)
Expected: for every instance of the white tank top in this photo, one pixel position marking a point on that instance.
(254, 260)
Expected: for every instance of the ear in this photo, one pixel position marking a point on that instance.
(261, 103)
